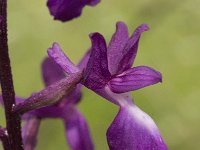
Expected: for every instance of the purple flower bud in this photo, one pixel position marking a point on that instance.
(65, 10)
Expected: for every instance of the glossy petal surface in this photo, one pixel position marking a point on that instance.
(132, 129)
(135, 78)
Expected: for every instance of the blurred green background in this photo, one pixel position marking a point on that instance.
(171, 46)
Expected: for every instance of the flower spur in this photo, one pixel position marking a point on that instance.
(76, 128)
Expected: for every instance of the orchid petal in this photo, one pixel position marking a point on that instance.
(132, 129)
(46, 112)
(75, 96)
(65, 10)
(93, 2)
(135, 78)
(83, 63)
(130, 50)
(116, 47)
(77, 131)
(51, 71)
(61, 59)
(118, 99)
(97, 73)
(30, 132)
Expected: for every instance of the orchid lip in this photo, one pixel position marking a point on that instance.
(133, 129)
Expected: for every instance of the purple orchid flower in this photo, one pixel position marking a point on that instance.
(65, 10)
(109, 74)
(76, 128)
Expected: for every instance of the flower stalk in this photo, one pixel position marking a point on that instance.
(13, 124)
(50, 95)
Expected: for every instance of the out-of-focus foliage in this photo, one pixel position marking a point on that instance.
(171, 46)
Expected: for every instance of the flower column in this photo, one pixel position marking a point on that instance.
(12, 120)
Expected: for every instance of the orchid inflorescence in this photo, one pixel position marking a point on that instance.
(105, 69)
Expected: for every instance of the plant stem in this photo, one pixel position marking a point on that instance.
(4, 139)
(13, 121)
